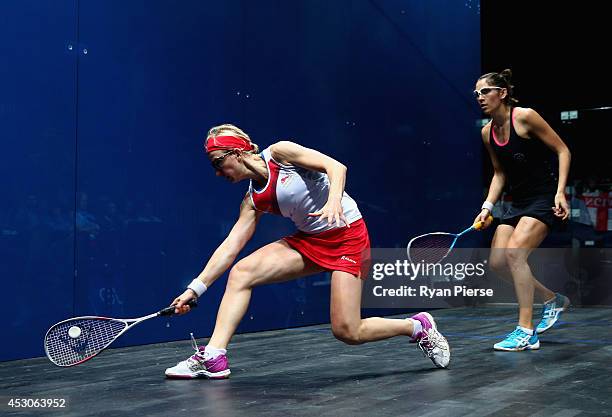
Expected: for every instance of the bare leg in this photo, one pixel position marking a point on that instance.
(275, 262)
(498, 262)
(345, 311)
(527, 235)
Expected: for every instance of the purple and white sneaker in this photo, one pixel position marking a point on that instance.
(431, 342)
(200, 366)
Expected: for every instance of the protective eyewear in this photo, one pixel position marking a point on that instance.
(485, 90)
(217, 163)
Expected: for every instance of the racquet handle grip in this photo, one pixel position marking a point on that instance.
(478, 225)
(169, 311)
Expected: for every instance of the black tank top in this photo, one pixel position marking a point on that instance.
(527, 164)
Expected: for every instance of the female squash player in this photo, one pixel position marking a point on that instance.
(308, 187)
(520, 144)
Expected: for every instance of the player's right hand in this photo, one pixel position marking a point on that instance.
(485, 218)
(180, 302)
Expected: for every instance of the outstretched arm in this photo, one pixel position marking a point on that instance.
(226, 253)
(294, 154)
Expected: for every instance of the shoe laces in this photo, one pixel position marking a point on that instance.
(194, 343)
(514, 334)
(518, 334)
(431, 340)
(199, 355)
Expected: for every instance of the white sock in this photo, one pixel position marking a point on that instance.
(417, 327)
(526, 330)
(212, 352)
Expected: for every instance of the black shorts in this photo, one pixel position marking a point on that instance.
(538, 207)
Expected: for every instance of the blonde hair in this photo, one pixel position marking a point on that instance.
(234, 131)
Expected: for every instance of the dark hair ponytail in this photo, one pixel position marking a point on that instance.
(504, 80)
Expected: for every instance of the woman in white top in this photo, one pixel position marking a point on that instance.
(307, 187)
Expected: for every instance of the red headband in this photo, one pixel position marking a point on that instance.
(227, 142)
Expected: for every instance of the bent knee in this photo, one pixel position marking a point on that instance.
(346, 333)
(241, 276)
(498, 262)
(515, 256)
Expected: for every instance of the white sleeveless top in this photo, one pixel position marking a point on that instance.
(293, 192)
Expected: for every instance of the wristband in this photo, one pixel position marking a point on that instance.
(487, 205)
(198, 287)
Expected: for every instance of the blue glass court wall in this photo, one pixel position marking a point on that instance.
(38, 120)
(382, 86)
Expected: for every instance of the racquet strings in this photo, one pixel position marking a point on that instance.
(96, 334)
(430, 248)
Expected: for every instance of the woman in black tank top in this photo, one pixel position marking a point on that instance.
(522, 147)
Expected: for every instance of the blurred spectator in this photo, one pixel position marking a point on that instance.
(85, 220)
(60, 220)
(597, 201)
(29, 216)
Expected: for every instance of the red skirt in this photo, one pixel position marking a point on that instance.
(340, 249)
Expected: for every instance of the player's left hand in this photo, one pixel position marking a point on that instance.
(332, 210)
(561, 208)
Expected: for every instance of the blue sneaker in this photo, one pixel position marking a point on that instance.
(552, 311)
(518, 340)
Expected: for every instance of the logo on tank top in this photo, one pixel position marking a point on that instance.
(346, 258)
(285, 180)
(519, 157)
